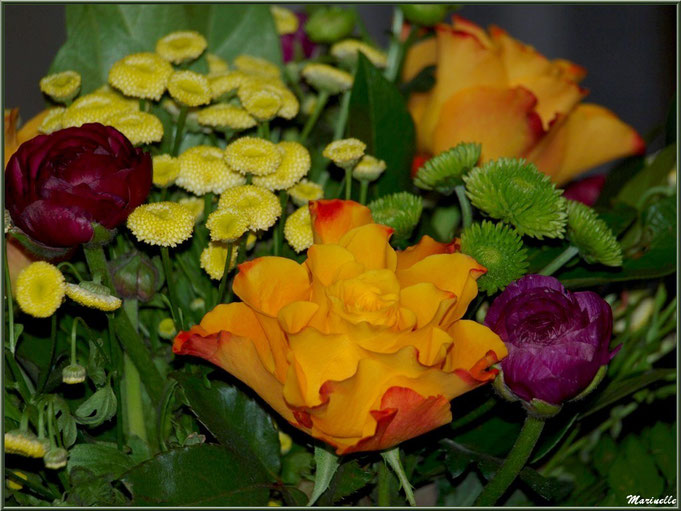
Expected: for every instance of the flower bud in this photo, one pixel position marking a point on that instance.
(24, 443)
(330, 24)
(135, 276)
(424, 14)
(56, 458)
(73, 373)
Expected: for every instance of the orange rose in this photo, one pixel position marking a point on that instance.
(500, 92)
(360, 346)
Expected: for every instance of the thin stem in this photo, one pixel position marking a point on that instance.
(172, 291)
(24, 385)
(342, 120)
(395, 45)
(264, 130)
(363, 190)
(279, 229)
(348, 183)
(114, 356)
(465, 205)
(50, 422)
(163, 414)
(392, 458)
(514, 463)
(383, 488)
(322, 98)
(179, 129)
(133, 399)
(74, 334)
(96, 260)
(225, 273)
(207, 204)
(53, 341)
(71, 268)
(10, 302)
(560, 261)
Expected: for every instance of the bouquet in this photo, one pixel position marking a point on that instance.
(252, 258)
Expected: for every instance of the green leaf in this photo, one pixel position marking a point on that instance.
(604, 454)
(633, 472)
(552, 434)
(618, 389)
(349, 478)
(379, 118)
(652, 175)
(296, 465)
(462, 495)
(236, 420)
(456, 463)
(662, 439)
(200, 475)
(327, 464)
(98, 408)
(89, 490)
(100, 459)
(293, 496)
(100, 34)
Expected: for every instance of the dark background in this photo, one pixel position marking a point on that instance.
(629, 50)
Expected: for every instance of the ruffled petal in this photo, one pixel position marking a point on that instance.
(474, 342)
(425, 247)
(370, 246)
(331, 219)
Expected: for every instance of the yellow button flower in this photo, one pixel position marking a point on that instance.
(227, 224)
(93, 295)
(24, 443)
(195, 205)
(368, 168)
(224, 115)
(141, 75)
(251, 155)
(96, 107)
(40, 289)
(285, 20)
(181, 46)
(165, 170)
(295, 164)
(61, 87)
(298, 229)
(285, 443)
(327, 78)
(257, 66)
(348, 49)
(227, 82)
(216, 64)
(13, 485)
(214, 257)
(52, 121)
(261, 103)
(261, 207)
(189, 88)
(345, 153)
(304, 192)
(203, 169)
(161, 223)
(360, 346)
(138, 127)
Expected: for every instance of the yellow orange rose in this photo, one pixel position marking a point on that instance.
(493, 89)
(360, 346)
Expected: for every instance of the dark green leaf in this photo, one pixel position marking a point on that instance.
(349, 478)
(604, 454)
(494, 436)
(619, 217)
(100, 34)
(98, 408)
(379, 117)
(462, 495)
(293, 496)
(456, 463)
(617, 178)
(89, 490)
(652, 175)
(236, 420)
(663, 448)
(296, 465)
(201, 475)
(100, 459)
(633, 472)
(552, 434)
(96, 362)
(618, 389)
(422, 82)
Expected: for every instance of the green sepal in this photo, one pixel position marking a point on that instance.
(541, 409)
(38, 249)
(401, 211)
(514, 191)
(602, 371)
(502, 389)
(444, 172)
(500, 249)
(100, 235)
(592, 236)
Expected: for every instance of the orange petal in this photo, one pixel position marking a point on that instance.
(464, 25)
(569, 70)
(331, 219)
(417, 103)
(269, 283)
(520, 60)
(420, 55)
(555, 95)
(462, 62)
(504, 120)
(325, 262)
(425, 247)
(590, 135)
(296, 316)
(472, 343)
(14, 138)
(238, 356)
(424, 300)
(370, 246)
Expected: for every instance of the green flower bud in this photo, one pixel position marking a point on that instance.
(135, 276)
(445, 171)
(500, 249)
(592, 236)
(330, 24)
(401, 211)
(424, 14)
(56, 458)
(514, 191)
(73, 373)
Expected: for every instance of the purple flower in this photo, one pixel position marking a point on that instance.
(289, 41)
(557, 340)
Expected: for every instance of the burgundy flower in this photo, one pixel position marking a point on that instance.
(58, 185)
(557, 340)
(289, 41)
(585, 190)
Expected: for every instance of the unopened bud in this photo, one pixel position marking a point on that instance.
(73, 373)
(56, 458)
(135, 277)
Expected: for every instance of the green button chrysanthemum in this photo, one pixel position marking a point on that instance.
(445, 171)
(514, 191)
(401, 211)
(499, 248)
(592, 236)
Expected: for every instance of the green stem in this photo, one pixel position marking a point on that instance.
(395, 48)
(363, 190)
(133, 399)
(164, 194)
(392, 458)
(465, 205)
(74, 335)
(207, 204)
(279, 229)
(172, 291)
(53, 343)
(560, 261)
(71, 268)
(322, 98)
(10, 303)
(225, 273)
(115, 357)
(264, 130)
(24, 385)
(348, 183)
(514, 463)
(96, 260)
(473, 414)
(383, 488)
(342, 121)
(179, 129)
(163, 409)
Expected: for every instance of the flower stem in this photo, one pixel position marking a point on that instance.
(322, 98)
(559, 261)
(348, 183)
(10, 302)
(383, 488)
(392, 458)
(133, 399)
(514, 463)
(71, 268)
(279, 229)
(363, 190)
(466, 210)
(53, 342)
(342, 121)
(115, 358)
(264, 130)
(172, 291)
(225, 273)
(395, 48)
(179, 129)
